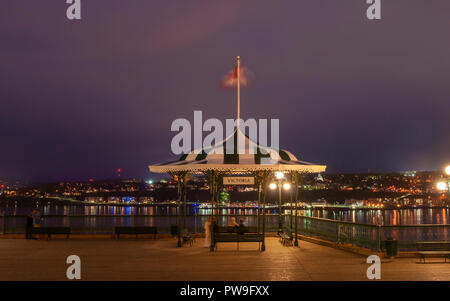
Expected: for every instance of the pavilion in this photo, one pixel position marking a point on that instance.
(252, 160)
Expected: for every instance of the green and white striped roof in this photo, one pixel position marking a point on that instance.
(237, 156)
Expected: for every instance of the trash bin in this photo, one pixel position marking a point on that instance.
(174, 230)
(391, 247)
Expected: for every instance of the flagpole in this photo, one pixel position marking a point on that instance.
(238, 91)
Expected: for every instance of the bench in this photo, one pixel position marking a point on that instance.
(235, 234)
(433, 249)
(135, 231)
(286, 240)
(187, 238)
(286, 237)
(51, 230)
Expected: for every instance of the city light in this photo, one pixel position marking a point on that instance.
(447, 170)
(286, 186)
(150, 182)
(272, 186)
(441, 186)
(279, 175)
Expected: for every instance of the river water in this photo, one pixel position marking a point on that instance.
(103, 218)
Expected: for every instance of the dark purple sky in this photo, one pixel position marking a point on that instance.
(82, 98)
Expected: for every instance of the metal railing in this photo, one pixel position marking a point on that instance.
(408, 235)
(371, 236)
(341, 232)
(362, 235)
(104, 224)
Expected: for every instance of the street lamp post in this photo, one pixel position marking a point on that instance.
(280, 213)
(279, 176)
(445, 185)
(447, 173)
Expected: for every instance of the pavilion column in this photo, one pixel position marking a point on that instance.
(263, 245)
(258, 183)
(212, 184)
(258, 222)
(218, 178)
(265, 176)
(184, 199)
(291, 209)
(177, 176)
(214, 198)
(213, 192)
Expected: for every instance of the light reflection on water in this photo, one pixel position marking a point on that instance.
(364, 216)
(387, 217)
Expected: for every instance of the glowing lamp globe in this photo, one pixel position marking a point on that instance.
(272, 186)
(279, 175)
(286, 186)
(441, 186)
(447, 170)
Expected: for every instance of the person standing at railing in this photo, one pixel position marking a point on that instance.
(379, 219)
(29, 226)
(37, 218)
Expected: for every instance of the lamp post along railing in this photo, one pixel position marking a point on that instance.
(280, 213)
(263, 244)
(444, 184)
(296, 177)
(447, 173)
(448, 187)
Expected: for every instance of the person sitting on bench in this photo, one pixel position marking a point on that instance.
(241, 228)
(232, 222)
(29, 227)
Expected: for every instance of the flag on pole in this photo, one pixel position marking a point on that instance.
(231, 78)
